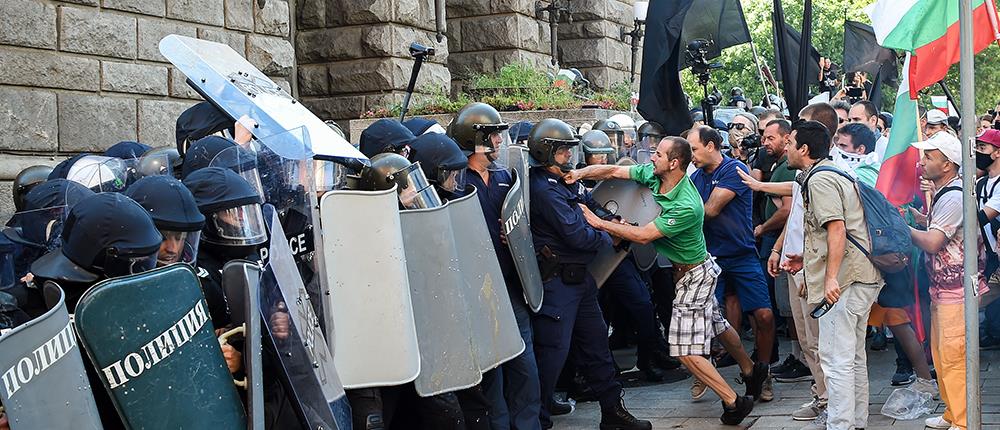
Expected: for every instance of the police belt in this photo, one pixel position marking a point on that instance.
(681, 269)
(569, 273)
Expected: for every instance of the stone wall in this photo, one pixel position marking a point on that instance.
(593, 44)
(81, 75)
(353, 54)
(485, 35)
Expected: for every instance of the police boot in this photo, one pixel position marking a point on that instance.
(619, 418)
(561, 406)
(664, 361)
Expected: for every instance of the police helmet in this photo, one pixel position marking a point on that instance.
(105, 235)
(231, 207)
(384, 135)
(175, 214)
(388, 169)
(547, 138)
(474, 126)
(160, 161)
(39, 222)
(441, 159)
(27, 179)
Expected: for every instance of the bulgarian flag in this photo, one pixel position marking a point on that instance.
(897, 178)
(928, 29)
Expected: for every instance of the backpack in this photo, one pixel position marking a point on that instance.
(888, 231)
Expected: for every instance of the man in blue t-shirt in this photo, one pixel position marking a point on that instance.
(729, 237)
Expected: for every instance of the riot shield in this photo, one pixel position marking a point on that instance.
(447, 359)
(293, 329)
(514, 215)
(285, 167)
(495, 336)
(151, 338)
(241, 282)
(369, 294)
(645, 255)
(631, 201)
(519, 163)
(223, 77)
(45, 385)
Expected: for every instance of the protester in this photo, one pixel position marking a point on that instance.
(988, 160)
(677, 235)
(843, 109)
(835, 272)
(943, 244)
(730, 239)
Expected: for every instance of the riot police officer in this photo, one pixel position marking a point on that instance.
(385, 135)
(615, 134)
(234, 229)
(513, 389)
(566, 244)
(174, 213)
(442, 161)
(27, 179)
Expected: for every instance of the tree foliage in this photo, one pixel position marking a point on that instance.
(828, 38)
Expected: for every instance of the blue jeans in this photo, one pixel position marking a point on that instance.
(514, 393)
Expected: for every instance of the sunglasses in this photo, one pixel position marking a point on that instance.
(736, 126)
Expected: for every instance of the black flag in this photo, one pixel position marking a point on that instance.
(661, 98)
(802, 85)
(720, 21)
(787, 44)
(867, 56)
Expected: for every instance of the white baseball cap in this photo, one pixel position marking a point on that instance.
(937, 117)
(943, 141)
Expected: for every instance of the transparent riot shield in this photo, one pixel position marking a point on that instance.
(369, 303)
(45, 385)
(295, 336)
(100, 174)
(151, 339)
(223, 77)
(241, 282)
(437, 289)
(514, 215)
(519, 163)
(629, 200)
(495, 336)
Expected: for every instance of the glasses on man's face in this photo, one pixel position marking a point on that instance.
(736, 126)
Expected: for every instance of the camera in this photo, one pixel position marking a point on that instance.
(697, 54)
(750, 142)
(418, 50)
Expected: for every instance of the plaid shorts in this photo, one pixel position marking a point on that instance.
(696, 318)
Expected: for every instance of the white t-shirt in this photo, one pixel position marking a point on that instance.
(795, 233)
(992, 201)
(880, 146)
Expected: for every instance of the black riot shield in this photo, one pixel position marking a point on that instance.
(151, 338)
(44, 384)
(223, 77)
(295, 336)
(369, 303)
(631, 201)
(437, 288)
(645, 255)
(495, 336)
(514, 214)
(241, 281)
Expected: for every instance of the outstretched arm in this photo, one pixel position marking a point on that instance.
(598, 172)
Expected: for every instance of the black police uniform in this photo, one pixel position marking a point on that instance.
(570, 312)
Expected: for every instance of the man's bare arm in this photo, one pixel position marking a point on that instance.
(598, 172)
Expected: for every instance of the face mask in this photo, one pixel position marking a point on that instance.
(983, 161)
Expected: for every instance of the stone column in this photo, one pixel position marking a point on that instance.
(353, 55)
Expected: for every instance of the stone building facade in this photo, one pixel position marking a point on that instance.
(81, 75)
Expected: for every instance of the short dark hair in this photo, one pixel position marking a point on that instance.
(784, 127)
(825, 114)
(771, 113)
(860, 135)
(870, 109)
(708, 134)
(814, 135)
(680, 149)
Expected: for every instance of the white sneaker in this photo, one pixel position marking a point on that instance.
(938, 423)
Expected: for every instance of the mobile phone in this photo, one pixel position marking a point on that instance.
(821, 310)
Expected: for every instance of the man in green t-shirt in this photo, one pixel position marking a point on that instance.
(677, 233)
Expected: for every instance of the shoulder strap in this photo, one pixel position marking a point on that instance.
(942, 192)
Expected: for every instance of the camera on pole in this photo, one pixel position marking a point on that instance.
(697, 55)
(419, 53)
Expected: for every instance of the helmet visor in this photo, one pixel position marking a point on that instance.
(499, 150)
(155, 164)
(100, 174)
(329, 176)
(450, 180)
(115, 265)
(178, 247)
(645, 148)
(415, 191)
(564, 155)
(40, 228)
(241, 161)
(239, 226)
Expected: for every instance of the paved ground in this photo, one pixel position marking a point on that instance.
(669, 406)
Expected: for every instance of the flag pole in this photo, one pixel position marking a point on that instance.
(760, 73)
(970, 233)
